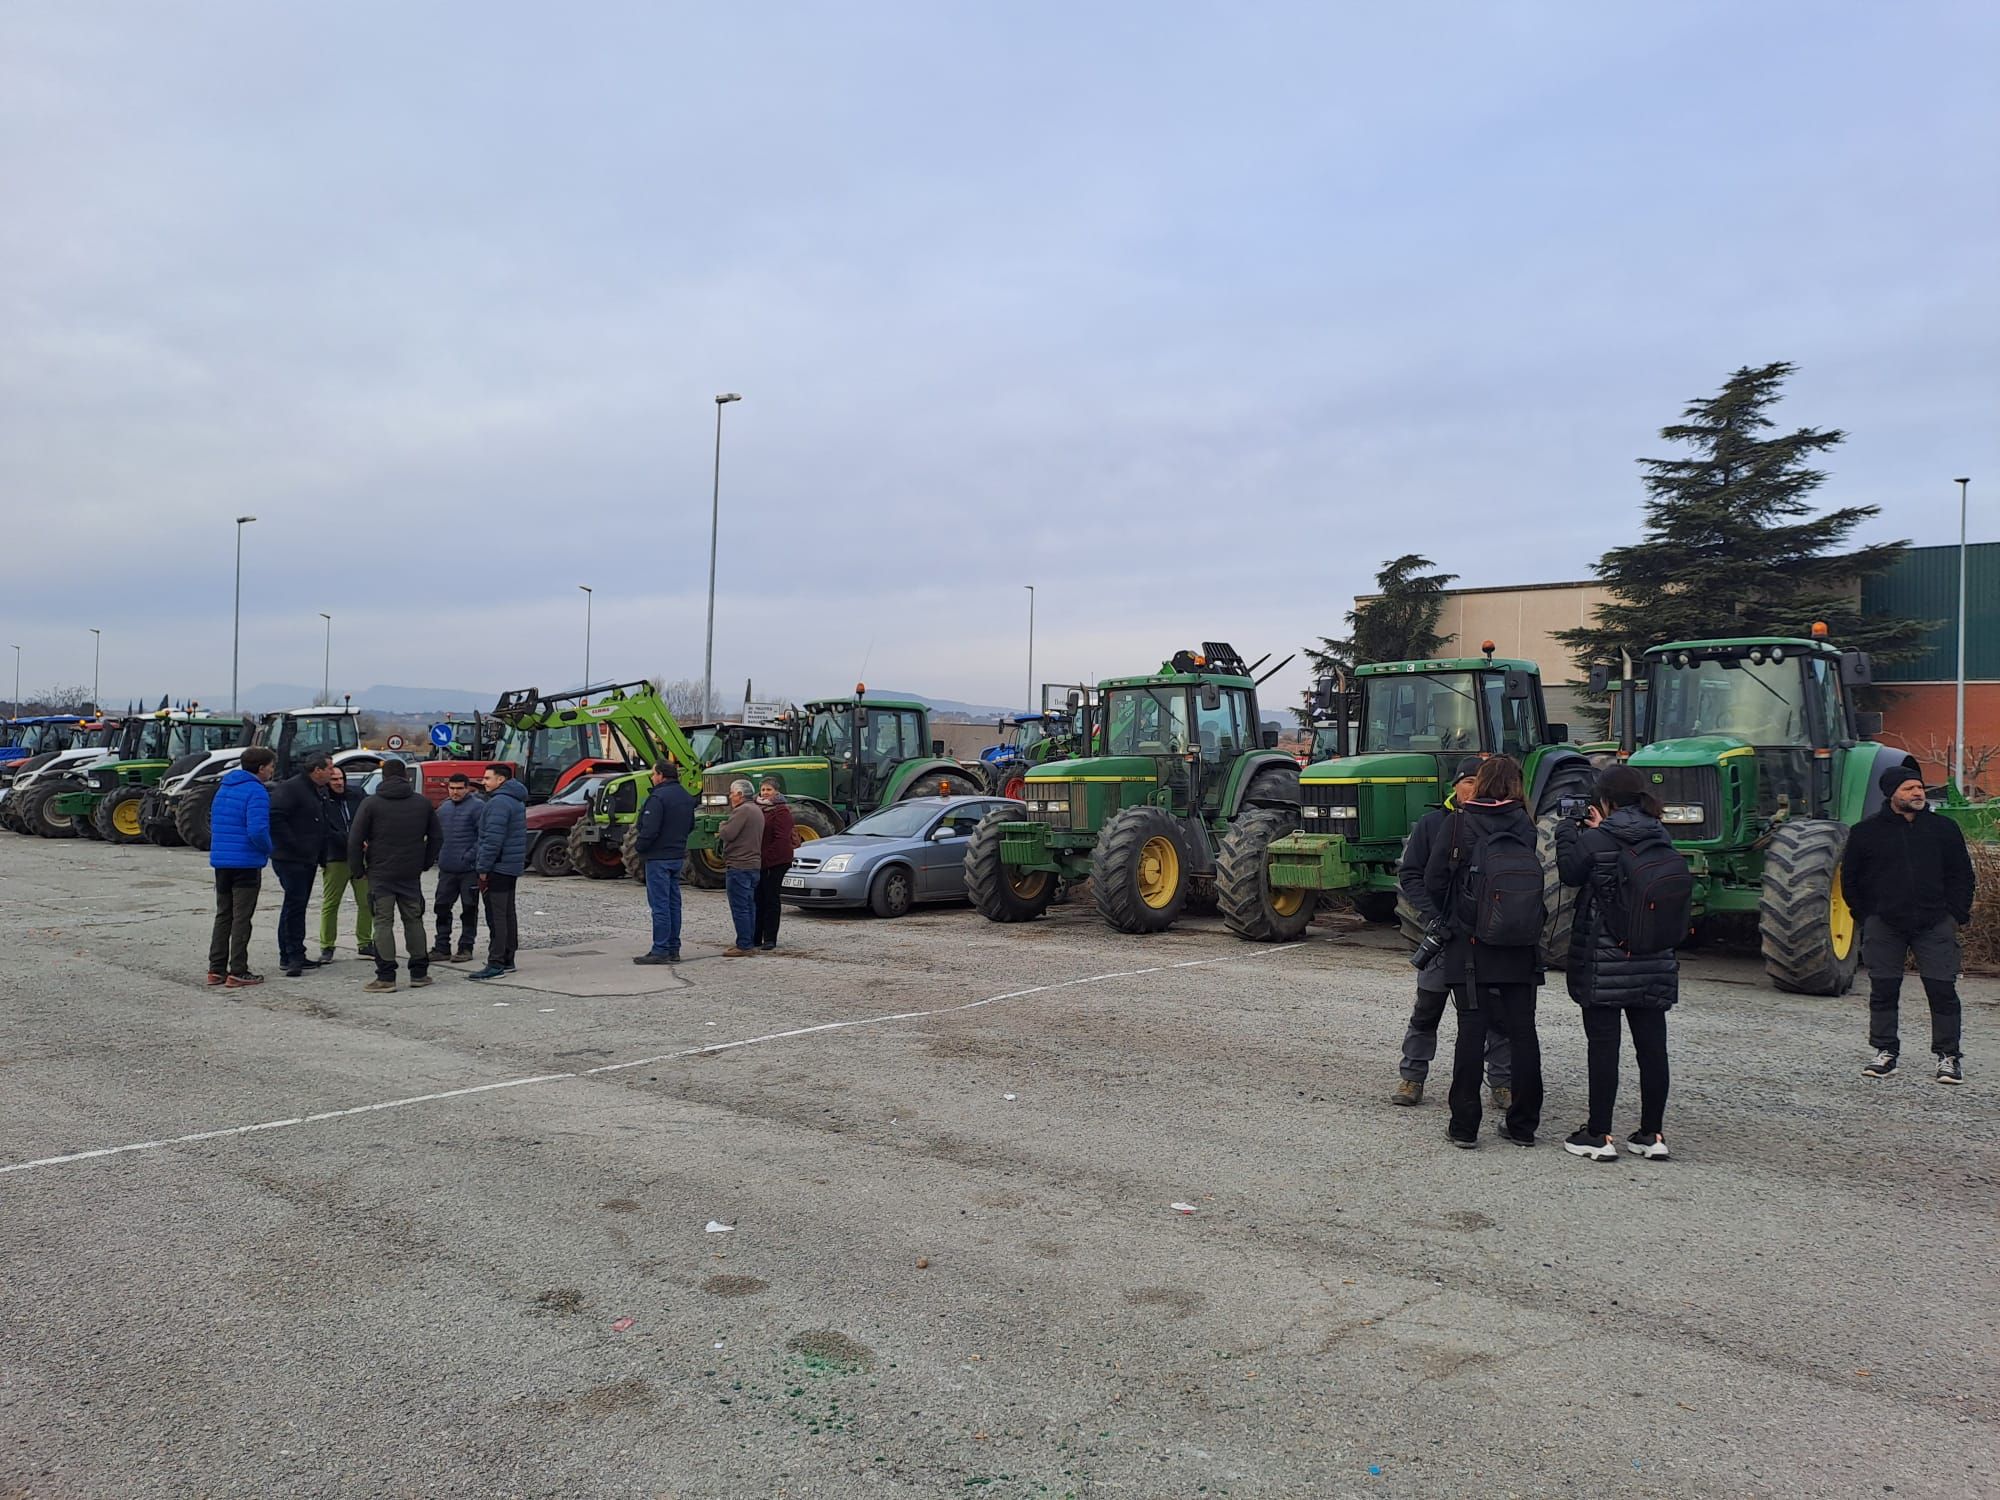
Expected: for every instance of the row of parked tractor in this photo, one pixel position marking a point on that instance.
(1157, 794)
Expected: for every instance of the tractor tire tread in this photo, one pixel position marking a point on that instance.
(1242, 886)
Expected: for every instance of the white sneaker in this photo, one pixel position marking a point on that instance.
(1591, 1147)
(1653, 1147)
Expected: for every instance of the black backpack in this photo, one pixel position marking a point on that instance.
(1499, 890)
(1655, 906)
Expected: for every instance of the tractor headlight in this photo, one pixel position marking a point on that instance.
(1343, 811)
(716, 799)
(836, 865)
(1683, 812)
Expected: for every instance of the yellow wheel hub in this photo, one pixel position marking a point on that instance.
(1840, 920)
(806, 833)
(1027, 884)
(1286, 903)
(125, 818)
(1159, 871)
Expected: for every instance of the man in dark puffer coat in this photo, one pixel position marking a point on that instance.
(1604, 978)
(394, 840)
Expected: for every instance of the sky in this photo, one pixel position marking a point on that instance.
(1188, 315)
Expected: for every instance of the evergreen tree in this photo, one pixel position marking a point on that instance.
(1399, 624)
(1732, 544)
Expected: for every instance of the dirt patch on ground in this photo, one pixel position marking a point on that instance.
(831, 1348)
(560, 1299)
(619, 1206)
(733, 1286)
(623, 1395)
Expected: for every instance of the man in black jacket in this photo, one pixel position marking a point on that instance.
(1420, 1038)
(661, 841)
(395, 839)
(1908, 880)
(298, 838)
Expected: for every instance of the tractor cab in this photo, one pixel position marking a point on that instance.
(549, 759)
(717, 742)
(296, 735)
(864, 741)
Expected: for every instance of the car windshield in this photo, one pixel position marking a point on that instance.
(1147, 721)
(830, 732)
(580, 789)
(1419, 711)
(1759, 704)
(906, 820)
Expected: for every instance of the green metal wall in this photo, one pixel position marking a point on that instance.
(1923, 585)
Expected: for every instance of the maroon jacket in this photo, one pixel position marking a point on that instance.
(779, 839)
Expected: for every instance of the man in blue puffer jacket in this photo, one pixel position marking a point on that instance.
(458, 869)
(239, 847)
(503, 854)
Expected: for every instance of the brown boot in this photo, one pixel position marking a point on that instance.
(1408, 1091)
(735, 952)
(1503, 1099)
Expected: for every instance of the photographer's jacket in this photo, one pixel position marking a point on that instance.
(1600, 971)
(1459, 834)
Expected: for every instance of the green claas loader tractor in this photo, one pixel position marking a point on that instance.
(854, 755)
(1416, 720)
(1185, 759)
(1763, 762)
(107, 799)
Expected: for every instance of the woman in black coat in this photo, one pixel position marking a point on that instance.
(1605, 977)
(1491, 986)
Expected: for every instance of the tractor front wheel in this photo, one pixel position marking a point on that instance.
(594, 861)
(999, 892)
(120, 816)
(705, 870)
(1572, 779)
(1139, 870)
(1377, 907)
(1250, 908)
(39, 813)
(1811, 941)
(191, 815)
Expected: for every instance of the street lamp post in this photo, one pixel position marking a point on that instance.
(236, 632)
(326, 669)
(589, 600)
(1031, 645)
(97, 661)
(714, 525)
(17, 682)
(1958, 727)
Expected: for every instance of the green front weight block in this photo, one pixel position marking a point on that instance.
(1311, 862)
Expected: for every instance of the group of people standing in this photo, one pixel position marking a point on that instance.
(1906, 877)
(756, 842)
(314, 824)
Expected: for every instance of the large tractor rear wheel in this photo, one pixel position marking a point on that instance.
(594, 861)
(157, 814)
(705, 870)
(1008, 778)
(1139, 870)
(10, 813)
(191, 810)
(1811, 941)
(943, 784)
(1376, 907)
(120, 816)
(1250, 908)
(1000, 892)
(39, 815)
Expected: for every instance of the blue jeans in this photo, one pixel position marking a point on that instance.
(743, 906)
(663, 895)
(295, 878)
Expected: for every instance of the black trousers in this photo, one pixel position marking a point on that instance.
(458, 888)
(770, 885)
(295, 877)
(502, 931)
(1510, 1008)
(235, 904)
(1649, 1045)
(1936, 950)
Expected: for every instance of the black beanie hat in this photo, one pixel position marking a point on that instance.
(1891, 781)
(1467, 768)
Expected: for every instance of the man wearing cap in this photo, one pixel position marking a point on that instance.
(1908, 880)
(1420, 1039)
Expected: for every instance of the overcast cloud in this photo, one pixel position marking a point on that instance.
(1188, 315)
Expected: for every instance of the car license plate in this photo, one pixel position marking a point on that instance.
(795, 882)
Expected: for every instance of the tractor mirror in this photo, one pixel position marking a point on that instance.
(1270, 739)
(1519, 685)
(1857, 669)
(1555, 734)
(1075, 701)
(1600, 679)
(1211, 697)
(1323, 697)
(1868, 724)
(937, 747)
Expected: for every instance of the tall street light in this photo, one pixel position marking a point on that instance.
(236, 633)
(97, 660)
(1958, 728)
(326, 671)
(714, 522)
(589, 599)
(1031, 645)
(17, 682)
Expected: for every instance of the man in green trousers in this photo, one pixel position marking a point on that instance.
(336, 878)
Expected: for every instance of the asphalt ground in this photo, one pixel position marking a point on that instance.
(948, 1154)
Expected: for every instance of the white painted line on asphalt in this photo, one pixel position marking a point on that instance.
(752, 1041)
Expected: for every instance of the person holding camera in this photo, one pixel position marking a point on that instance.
(1484, 878)
(1634, 905)
(1420, 1037)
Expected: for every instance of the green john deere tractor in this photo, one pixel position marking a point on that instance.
(1417, 720)
(853, 756)
(1756, 748)
(107, 799)
(1185, 760)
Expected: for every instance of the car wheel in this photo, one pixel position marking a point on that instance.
(892, 893)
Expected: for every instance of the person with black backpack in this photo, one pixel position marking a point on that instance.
(1485, 879)
(1634, 905)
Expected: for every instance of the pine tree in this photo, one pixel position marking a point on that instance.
(1733, 546)
(1399, 624)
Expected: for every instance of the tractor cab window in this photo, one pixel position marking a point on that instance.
(201, 739)
(760, 744)
(890, 735)
(1762, 704)
(1222, 730)
(1028, 734)
(1431, 711)
(156, 742)
(1147, 721)
(709, 747)
(1513, 724)
(317, 734)
(827, 734)
(1823, 688)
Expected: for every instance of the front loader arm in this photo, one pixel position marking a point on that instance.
(633, 710)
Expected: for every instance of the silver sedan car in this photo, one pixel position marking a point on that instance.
(890, 860)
